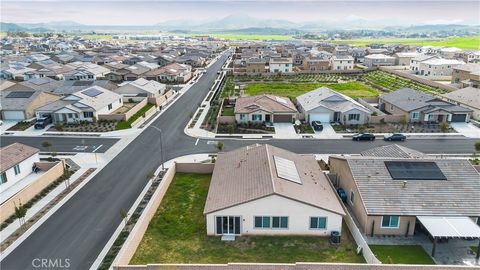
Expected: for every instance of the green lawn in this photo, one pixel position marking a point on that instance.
(470, 42)
(228, 111)
(177, 234)
(474, 248)
(128, 124)
(97, 36)
(402, 254)
(292, 90)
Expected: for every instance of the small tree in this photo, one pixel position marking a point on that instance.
(477, 146)
(124, 215)
(219, 146)
(444, 127)
(20, 213)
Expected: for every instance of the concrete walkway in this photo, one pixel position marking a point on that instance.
(466, 129)
(285, 131)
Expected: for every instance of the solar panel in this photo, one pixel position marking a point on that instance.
(286, 169)
(92, 92)
(414, 170)
(20, 94)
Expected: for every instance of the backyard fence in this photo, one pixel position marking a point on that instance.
(123, 116)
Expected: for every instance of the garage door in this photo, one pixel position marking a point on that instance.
(322, 117)
(282, 118)
(459, 117)
(13, 115)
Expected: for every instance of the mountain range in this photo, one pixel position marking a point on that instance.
(241, 24)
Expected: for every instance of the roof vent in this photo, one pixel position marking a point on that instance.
(404, 184)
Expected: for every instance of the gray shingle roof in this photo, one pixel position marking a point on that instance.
(319, 96)
(249, 173)
(459, 195)
(394, 151)
(407, 99)
(469, 96)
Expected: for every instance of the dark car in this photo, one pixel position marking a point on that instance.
(43, 122)
(394, 137)
(363, 137)
(317, 125)
(342, 194)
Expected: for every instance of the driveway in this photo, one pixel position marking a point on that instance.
(466, 129)
(327, 133)
(285, 131)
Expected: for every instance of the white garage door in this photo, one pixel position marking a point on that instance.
(322, 117)
(13, 115)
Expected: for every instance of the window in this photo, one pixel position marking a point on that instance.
(352, 197)
(110, 106)
(70, 115)
(354, 116)
(267, 222)
(318, 222)
(87, 114)
(242, 116)
(3, 178)
(391, 107)
(415, 115)
(16, 168)
(256, 117)
(390, 221)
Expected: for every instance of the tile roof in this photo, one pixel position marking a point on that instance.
(394, 151)
(249, 173)
(268, 103)
(15, 153)
(469, 96)
(320, 98)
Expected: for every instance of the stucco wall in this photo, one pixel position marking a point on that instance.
(298, 217)
(124, 116)
(26, 194)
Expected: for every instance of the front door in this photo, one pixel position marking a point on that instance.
(227, 225)
(267, 118)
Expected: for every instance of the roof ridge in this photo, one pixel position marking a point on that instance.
(270, 169)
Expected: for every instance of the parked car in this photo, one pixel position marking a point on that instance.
(317, 125)
(342, 194)
(43, 122)
(363, 137)
(394, 137)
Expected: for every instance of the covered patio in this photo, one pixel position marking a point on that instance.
(451, 228)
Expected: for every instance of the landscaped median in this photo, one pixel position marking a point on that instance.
(177, 234)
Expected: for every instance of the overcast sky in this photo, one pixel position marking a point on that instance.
(151, 12)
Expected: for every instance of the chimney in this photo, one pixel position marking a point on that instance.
(404, 184)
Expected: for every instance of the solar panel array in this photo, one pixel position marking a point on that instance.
(414, 170)
(92, 92)
(20, 94)
(286, 169)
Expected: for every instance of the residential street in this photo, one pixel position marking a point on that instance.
(79, 229)
(64, 144)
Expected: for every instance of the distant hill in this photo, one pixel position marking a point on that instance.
(12, 27)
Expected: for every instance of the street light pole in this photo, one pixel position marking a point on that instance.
(161, 145)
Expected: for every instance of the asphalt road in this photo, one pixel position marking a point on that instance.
(79, 230)
(63, 144)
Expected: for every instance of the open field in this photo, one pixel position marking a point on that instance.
(472, 42)
(177, 234)
(292, 90)
(97, 36)
(402, 254)
(232, 36)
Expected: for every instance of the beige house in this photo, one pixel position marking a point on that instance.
(314, 64)
(390, 188)
(264, 108)
(468, 97)
(255, 66)
(265, 190)
(21, 105)
(467, 75)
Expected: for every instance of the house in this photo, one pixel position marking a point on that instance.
(415, 62)
(471, 56)
(40, 84)
(417, 106)
(17, 161)
(85, 71)
(135, 72)
(264, 108)
(468, 97)
(70, 87)
(255, 66)
(391, 190)
(467, 75)
(405, 58)
(326, 105)
(265, 190)
(438, 67)
(378, 60)
(141, 88)
(449, 52)
(342, 62)
(21, 104)
(85, 105)
(315, 64)
(280, 65)
(172, 73)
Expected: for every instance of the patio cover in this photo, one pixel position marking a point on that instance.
(460, 227)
